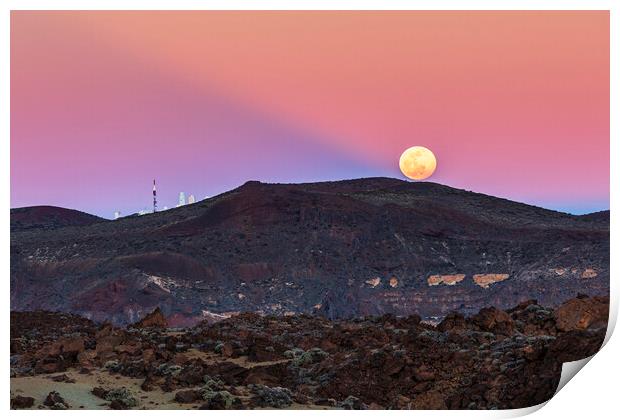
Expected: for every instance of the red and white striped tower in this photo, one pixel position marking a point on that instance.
(154, 197)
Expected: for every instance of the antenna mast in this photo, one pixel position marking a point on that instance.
(154, 198)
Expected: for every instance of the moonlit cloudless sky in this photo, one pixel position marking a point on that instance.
(513, 104)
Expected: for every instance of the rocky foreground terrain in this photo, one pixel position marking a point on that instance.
(335, 249)
(493, 359)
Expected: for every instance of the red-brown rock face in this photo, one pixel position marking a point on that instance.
(153, 320)
(582, 313)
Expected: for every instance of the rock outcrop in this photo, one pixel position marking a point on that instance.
(20, 402)
(485, 280)
(447, 279)
(494, 359)
(582, 313)
(155, 319)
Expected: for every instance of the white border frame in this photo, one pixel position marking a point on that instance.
(594, 394)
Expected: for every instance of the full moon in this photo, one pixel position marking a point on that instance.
(417, 163)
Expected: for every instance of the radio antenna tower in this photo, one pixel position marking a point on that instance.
(154, 197)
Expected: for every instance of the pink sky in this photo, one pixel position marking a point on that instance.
(513, 104)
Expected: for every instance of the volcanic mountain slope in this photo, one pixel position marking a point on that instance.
(49, 217)
(339, 249)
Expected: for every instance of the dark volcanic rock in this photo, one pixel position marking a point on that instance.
(100, 392)
(577, 345)
(63, 378)
(153, 320)
(337, 249)
(495, 359)
(118, 405)
(452, 321)
(222, 401)
(276, 397)
(493, 320)
(21, 402)
(582, 313)
(188, 396)
(55, 401)
(120, 399)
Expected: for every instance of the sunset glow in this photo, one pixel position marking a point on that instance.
(513, 104)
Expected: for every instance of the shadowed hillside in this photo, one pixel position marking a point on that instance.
(49, 217)
(339, 249)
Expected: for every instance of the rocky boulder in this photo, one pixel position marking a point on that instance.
(121, 399)
(494, 320)
(582, 313)
(155, 319)
(20, 402)
(452, 321)
(276, 397)
(188, 396)
(55, 401)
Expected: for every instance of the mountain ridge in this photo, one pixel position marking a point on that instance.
(599, 214)
(341, 249)
(45, 216)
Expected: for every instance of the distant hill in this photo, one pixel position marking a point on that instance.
(339, 249)
(599, 216)
(49, 217)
